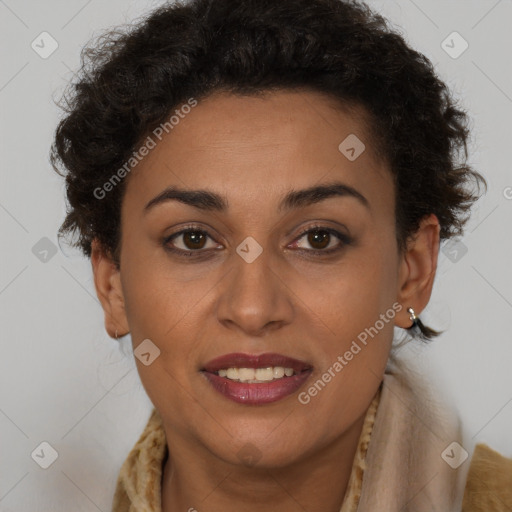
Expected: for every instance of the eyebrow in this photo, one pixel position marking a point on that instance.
(210, 201)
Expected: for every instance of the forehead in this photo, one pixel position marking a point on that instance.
(304, 120)
(262, 146)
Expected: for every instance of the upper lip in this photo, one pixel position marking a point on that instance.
(240, 360)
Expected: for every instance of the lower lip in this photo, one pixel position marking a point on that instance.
(257, 394)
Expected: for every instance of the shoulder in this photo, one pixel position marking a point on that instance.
(489, 482)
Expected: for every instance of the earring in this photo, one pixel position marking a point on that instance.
(414, 319)
(116, 335)
(418, 329)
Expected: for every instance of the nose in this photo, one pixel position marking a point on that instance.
(254, 296)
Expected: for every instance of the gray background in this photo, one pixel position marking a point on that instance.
(64, 381)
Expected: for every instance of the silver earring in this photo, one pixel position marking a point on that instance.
(414, 319)
(116, 335)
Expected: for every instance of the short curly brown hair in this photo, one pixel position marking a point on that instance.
(131, 80)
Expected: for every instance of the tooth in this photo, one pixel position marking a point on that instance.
(246, 373)
(232, 373)
(264, 374)
(254, 376)
(278, 372)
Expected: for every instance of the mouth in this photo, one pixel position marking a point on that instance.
(255, 380)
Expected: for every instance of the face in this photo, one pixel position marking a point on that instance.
(282, 256)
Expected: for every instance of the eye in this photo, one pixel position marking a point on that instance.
(322, 239)
(193, 241)
(189, 240)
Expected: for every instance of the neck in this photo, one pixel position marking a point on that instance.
(206, 483)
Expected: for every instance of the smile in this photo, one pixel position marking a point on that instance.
(256, 375)
(256, 380)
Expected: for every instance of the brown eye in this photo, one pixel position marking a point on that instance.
(194, 239)
(319, 239)
(188, 241)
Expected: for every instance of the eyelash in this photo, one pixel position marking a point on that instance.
(344, 239)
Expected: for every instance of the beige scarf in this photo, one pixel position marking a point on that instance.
(401, 464)
(411, 463)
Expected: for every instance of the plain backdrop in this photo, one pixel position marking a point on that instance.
(63, 381)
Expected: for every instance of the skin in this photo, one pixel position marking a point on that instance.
(252, 151)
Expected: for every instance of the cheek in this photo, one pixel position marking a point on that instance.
(357, 303)
(165, 308)
(357, 290)
(155, 299)
(358, 308)
(161, 309)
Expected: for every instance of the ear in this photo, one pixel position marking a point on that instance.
(417, 269)
(109, 290)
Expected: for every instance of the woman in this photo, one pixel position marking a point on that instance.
(262, 188)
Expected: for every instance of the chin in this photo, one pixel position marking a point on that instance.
(264, 448)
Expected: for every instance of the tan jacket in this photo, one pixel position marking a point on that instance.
(487, 488)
